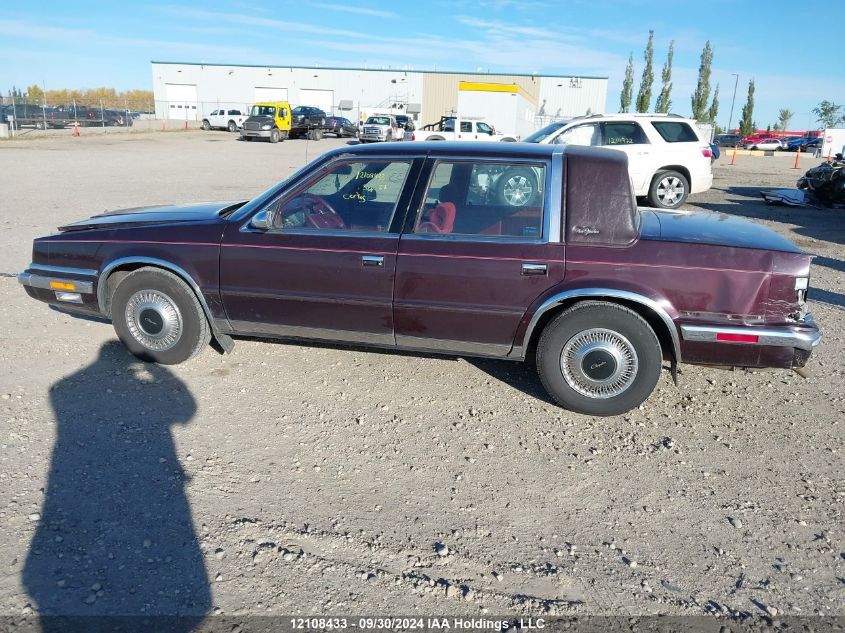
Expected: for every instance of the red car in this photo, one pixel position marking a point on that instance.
(506, 250)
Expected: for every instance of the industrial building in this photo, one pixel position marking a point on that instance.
(192, 90)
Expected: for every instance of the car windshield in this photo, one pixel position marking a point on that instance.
(544, 133)
(260, 110)
(378, 120)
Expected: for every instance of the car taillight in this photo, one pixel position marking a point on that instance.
(413, 136)
(706, 152)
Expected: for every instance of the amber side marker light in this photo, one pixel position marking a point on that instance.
(738, 338)
(62, 285)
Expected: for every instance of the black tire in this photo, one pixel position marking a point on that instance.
(669, 190)
(232, 127)
(163, 300)
(274, 136)
(206, 125)
(517, 187)
(604, 326)
(318, 134)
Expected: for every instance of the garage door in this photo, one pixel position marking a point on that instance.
(181, 101)
(323, 99)
(264, 93)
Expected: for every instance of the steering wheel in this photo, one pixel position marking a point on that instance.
(319, 214)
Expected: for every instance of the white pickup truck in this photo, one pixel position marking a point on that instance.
(223, 119)
(467, 130)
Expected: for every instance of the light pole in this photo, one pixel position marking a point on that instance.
(733, 100)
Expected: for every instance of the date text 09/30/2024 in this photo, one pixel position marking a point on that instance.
(415, 623)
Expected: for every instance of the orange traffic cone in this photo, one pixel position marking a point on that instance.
(75, 128)
(733, 158)
(829, 155)
(797, 159)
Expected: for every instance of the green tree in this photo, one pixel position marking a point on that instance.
(827, 113)
(746, 121)
(702, 89)
(34, 94)
(784, 117)
(647, 81)
(627, 86)
(664, 102)
(713, 112)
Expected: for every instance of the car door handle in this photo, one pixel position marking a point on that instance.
(534, 269)
(376, 261)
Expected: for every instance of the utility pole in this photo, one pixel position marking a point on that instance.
(730, 118)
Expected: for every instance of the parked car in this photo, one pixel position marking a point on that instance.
(223, 119)
(813, 144)
(380, 127)
(667, 158)
(341, 126)
(599, 296)
(21, 115)
(768, 144)
(727, 140)
(269, 120)
(801, 143)
(308, 121)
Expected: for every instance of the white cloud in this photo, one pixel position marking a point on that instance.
(351, 8)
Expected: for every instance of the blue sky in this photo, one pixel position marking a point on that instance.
(782, 44)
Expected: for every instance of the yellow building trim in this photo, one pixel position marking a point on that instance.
(487, 87)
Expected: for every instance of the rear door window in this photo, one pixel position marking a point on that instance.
(623, 133)
(675, 131)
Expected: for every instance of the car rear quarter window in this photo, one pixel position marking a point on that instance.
(483, 199)
(675, 131)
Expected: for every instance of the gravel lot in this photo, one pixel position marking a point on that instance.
(283, 479)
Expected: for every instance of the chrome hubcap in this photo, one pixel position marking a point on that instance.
(153, 320)
(670, 190)
(518, 191)
(599, 363)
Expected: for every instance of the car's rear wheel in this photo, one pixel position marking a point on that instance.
(158, 317)
(599, 358)
(669, 190)
(517, 187)
(206, 125)
(233, 127)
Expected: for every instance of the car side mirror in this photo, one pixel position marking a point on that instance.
(261, 221)
(490, 132)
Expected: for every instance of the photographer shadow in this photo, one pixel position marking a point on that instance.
(115, 539)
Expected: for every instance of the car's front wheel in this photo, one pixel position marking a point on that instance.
(274, 136)
(517, 187)
(599, 358)
(158, 317)
(206, 125)
(669, 190)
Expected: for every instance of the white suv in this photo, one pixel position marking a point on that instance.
(667, 158)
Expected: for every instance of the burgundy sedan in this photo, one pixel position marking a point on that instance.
(506, 250)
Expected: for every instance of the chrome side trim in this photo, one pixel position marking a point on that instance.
(105, 272)
(805, 335)
(554, 204)
(601, 293)
(63, 270)
(38, 281)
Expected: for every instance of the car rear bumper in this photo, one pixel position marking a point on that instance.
(804, 334)
(701, 182)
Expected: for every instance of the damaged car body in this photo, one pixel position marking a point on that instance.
(511, 251)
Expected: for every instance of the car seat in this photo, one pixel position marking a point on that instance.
(441, 218)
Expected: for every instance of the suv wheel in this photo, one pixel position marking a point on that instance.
(599, 358)
(206, 125)
(517, 187)
(233, 127)
(158, 317)
(669, 190)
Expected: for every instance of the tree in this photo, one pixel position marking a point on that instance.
(664, 103)
(827, 113)
(702, 89)
(784, 117)
(35, 95)
(746, 121)
(627, 86)
(644, 95)
(713, 112)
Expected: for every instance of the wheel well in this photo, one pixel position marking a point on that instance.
(678, 168)
(121, 272)
(650, 316)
